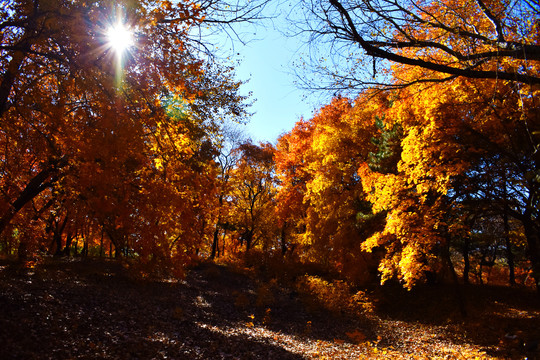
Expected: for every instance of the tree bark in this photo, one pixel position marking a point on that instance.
(84, 252)
(101, 245)
(67, 249)
(533, 245)
(509, 253)
(34, 187)
(9, 76)
(466, 260)
(41, 181)
(215, 243)
(248, 237)
(508, 243)
(460, 299)
(57, 234)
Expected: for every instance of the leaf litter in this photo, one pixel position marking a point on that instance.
(96, 309)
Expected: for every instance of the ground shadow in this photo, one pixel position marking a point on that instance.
(503, 320)
(73, 309)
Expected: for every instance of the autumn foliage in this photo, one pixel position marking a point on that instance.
(125, 154)
(444, 156)
(102, 146)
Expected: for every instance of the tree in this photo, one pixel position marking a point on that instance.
(227, 160)
(440, 40)
(320, 188)
(292, 159)
(125, 136)
(252, 191)
(466, 151)
(465, 65)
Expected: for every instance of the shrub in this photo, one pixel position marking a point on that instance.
(334, 296)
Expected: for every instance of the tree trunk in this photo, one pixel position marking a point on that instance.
(22, 252)
(466, 260)
(101, 245)
(67, 249)
(84, 252)
(533, 244)
(118, 240)
(459, 295)
(215, 243)
(283, 240)
(57, 239)
(57, 234)
(508, 246)
(34, 187)
(508, 243)
(10, 74)
(249, 239)
(6, 249)
(223, 238)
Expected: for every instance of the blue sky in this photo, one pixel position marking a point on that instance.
(267, 62)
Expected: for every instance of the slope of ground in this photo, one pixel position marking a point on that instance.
(67, 309)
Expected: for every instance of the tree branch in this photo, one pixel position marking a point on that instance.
(468, 72)
(496, 23)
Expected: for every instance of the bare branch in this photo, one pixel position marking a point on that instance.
(445, 40)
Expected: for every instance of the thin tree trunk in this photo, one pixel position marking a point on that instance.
(533, 244)
(283, 240)
(509, 253)
(223, 238)
(101, 245)
(58, 236)
(22, 251)
(249, 239)
(466, 260)
(458, 293)
(67, 249)
(12, 71)
(84, 251)
(508, 243)
(215, 243)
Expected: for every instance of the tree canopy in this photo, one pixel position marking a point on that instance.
(429, 166)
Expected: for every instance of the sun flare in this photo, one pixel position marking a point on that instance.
(120, 38)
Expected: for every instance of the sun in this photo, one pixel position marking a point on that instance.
(120, 38)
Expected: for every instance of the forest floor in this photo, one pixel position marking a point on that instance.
(88, 309)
